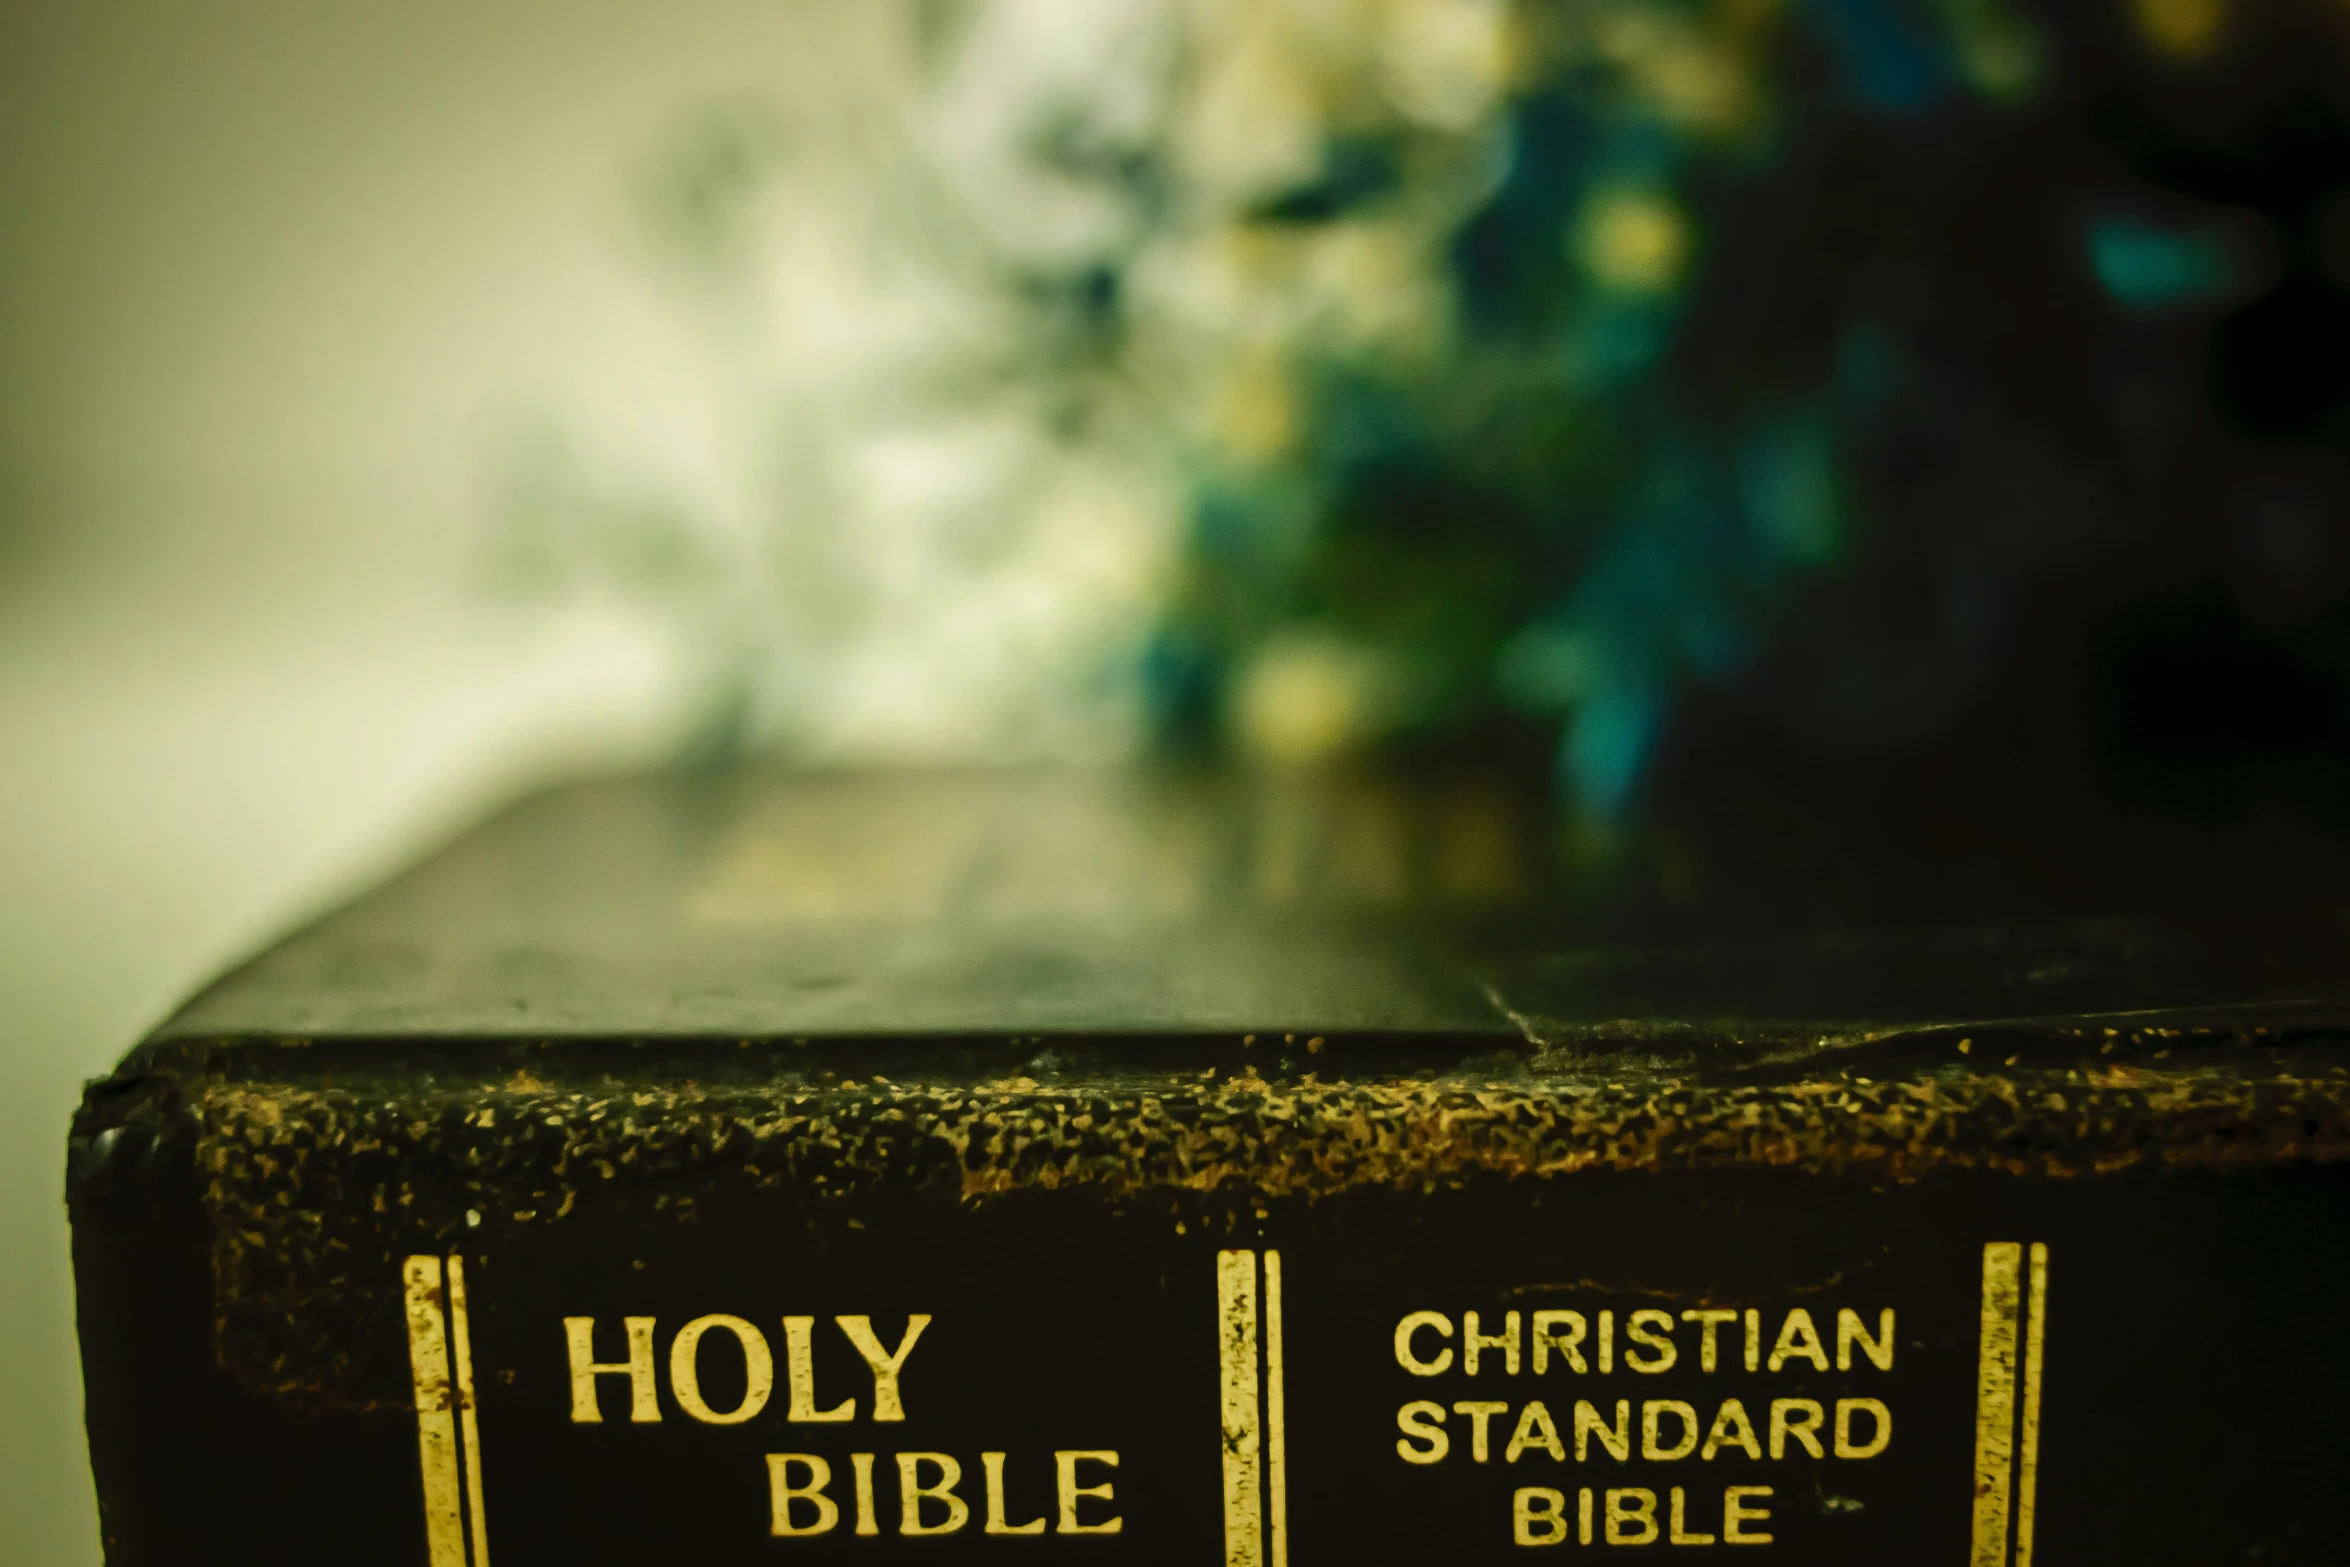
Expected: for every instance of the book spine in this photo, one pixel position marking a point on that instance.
(437, 1328)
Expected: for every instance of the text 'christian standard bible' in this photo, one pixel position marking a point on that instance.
(1080, 1170)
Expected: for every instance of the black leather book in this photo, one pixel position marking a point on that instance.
(1093, 1169)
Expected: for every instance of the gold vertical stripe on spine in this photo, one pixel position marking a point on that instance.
(1236, 1331)
(1995, 1404)
(468, 1422)
(2027, 1476)
(1276, 1435)
(436, 1427)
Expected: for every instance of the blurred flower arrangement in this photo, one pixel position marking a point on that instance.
(1304, 376)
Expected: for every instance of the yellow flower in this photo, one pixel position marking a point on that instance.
(1692, 77)
(1256, 415)
(1446, 60)
(1633, 241)
(1309, 698)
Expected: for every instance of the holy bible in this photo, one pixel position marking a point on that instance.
(1074, 1169)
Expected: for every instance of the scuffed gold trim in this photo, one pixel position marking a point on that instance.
(469, 1424)
(1276, 1421)
(2028, 1458)
(1995, 1404)
(436, 1428)
(1236, 1334)
(440, 1338)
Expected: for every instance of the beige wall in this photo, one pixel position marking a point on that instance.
(273, 279)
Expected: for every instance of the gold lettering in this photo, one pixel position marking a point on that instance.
(1583, 1516)
(1850, 1332)
(912, 1493)
(1798, 1339)
(1882, 1427)
(1679, 1533)
(884, 1365)
(1736, 1516)
(1412, 1324)
(1805, 1430)
(1480, 1415)
(1731, 1428)
(1065, 1471)
(1628, 1507)
(1652, 1416)
(782, 1493)
(1607, 1342)
(861, 1467)
(1414, 1421)
(993, 1463)
(1506, 1341)
(1617, 1441)
(1545, 1340)
(1652, 1330)
(1535, 1430)
(685, 1376)
(1533, 1506)
(1753, 1339)
(799, 1370)
(579, 1333)
(1707, 1322)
